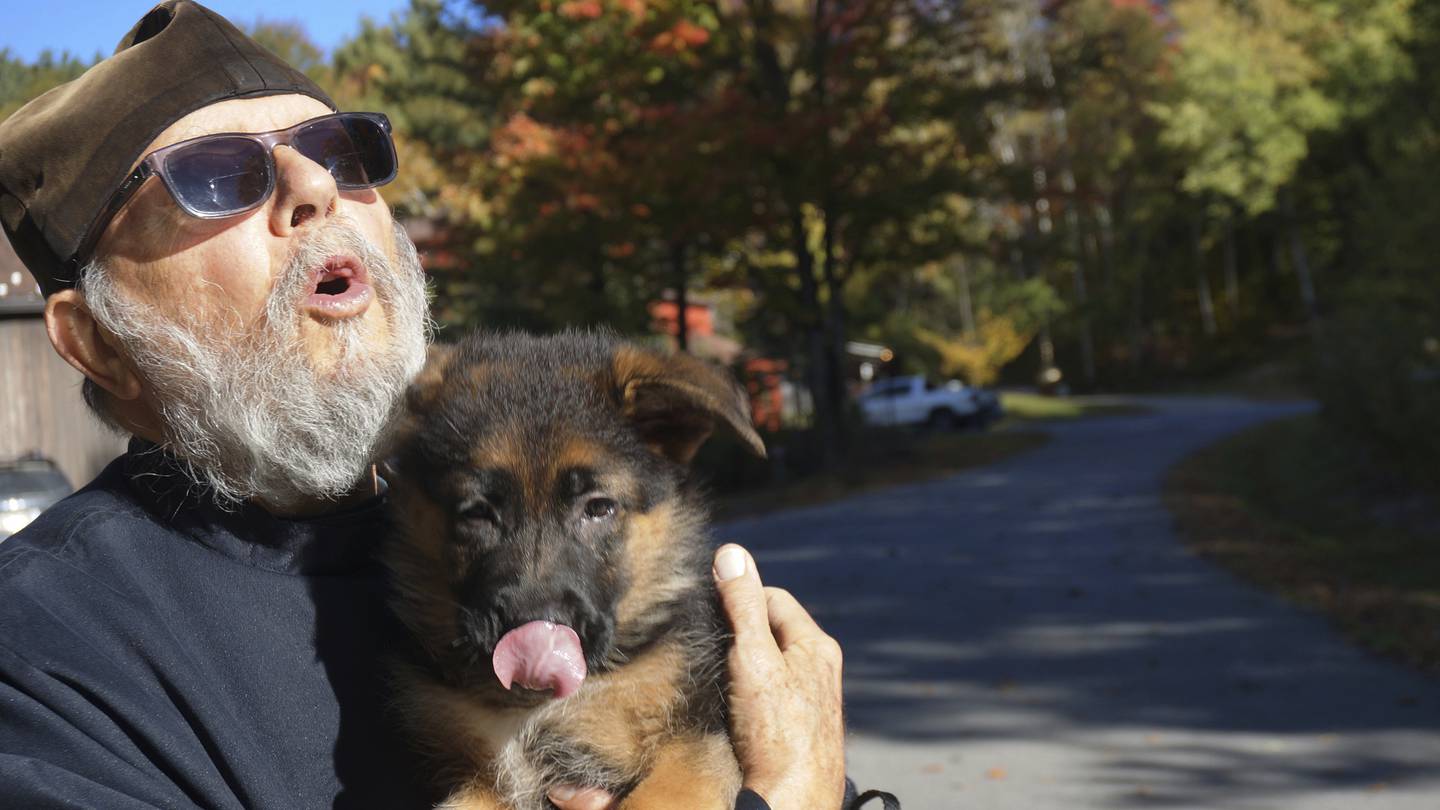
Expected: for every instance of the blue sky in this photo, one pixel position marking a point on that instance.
(85, 27)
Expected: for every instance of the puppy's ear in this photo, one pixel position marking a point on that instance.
(675, 402)
(425, 388)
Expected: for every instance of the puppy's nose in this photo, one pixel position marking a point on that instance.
(518, 605)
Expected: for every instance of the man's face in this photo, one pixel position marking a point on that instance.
(273, 345)
(207, 271)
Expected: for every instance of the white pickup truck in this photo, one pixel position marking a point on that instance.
(915, 401)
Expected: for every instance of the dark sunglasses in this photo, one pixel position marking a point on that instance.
(229, 173)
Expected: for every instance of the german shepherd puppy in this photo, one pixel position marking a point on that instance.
(551, 560)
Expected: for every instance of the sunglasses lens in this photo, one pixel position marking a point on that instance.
(356, 149)
(219, 176)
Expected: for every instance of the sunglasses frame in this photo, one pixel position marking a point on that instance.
(156, 164)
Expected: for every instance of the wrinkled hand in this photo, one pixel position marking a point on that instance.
(785, 699)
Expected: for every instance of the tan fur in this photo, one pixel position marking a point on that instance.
(698, 773)
(648, 555)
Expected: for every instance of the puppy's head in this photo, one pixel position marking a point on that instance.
(542, 533)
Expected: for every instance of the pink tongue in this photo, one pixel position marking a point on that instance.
(540, 655)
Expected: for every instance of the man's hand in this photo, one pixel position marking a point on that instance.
(785, 714)
(785, 699)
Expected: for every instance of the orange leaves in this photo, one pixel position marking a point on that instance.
(580, 9)
(522, 138)
(582, 201)
(681, 36)
(691, 34)
(574, 201)
(593, 9)
(635, 8)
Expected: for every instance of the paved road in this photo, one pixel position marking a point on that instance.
(1032, 635)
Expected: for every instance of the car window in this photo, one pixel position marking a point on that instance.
(30, 478)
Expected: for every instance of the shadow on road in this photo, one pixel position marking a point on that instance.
(1047, 600)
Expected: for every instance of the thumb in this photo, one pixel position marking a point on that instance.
(743, 597)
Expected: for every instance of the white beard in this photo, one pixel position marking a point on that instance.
(243, 409)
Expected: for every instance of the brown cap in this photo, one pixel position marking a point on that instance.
(64, 154)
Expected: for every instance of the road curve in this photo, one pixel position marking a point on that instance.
(1032, 635)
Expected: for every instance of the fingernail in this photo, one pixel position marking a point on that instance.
(563, 793)
(729, 564)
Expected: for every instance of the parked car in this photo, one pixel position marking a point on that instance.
(913, 400)
(28, 486)
(987, 402)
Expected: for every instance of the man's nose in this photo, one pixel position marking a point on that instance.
(305, 192)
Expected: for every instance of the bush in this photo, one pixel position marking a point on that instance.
(1378, 372)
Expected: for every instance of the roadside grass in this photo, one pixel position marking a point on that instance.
(1024, 407)
(884, 458)
(1299, 508)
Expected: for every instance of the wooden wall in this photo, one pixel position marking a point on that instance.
(41, 408)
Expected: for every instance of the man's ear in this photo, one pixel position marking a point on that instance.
(675, 401)
(85, 344)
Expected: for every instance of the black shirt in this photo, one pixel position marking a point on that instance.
(158, 652)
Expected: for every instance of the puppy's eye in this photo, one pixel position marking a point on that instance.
(480, 509)
(600, 509)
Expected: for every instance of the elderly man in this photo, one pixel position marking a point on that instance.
(204, 624)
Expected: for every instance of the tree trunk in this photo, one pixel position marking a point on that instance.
(1107, 246)
(681, 280)
(1301, 259)
(1232, 271)
(834, 368)
(1202, 283)
(1137, 307)
(835, 324)
(1023, 257)
(817, 365)
(1082, 297)
(967, 305)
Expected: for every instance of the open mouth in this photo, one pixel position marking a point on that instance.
(342, 288)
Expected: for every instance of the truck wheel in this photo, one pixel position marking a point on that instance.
(942, 419)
